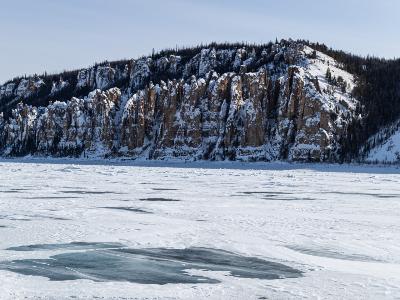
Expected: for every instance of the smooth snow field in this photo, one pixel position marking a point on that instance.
(154, 230)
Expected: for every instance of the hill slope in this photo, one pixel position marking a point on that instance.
(267, 102)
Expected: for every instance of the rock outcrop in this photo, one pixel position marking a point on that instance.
(220, 104)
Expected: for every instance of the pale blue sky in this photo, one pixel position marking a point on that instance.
(53, 35)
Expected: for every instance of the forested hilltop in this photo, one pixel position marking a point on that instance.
(288, 100)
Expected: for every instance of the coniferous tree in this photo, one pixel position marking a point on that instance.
(328, 75)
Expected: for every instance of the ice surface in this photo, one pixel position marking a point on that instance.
(336, 225)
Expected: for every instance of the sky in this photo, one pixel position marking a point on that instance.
(57, 35)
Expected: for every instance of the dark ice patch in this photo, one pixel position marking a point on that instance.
(275, 195)
(131, 209)
(145, 266)
(376, 195)
(278, 197)
(53, 197)
(54, 218)
(67, 246)
(330, 253)
(83, 192)
(158, 199)
(266, 193)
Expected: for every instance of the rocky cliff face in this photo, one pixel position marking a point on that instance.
(235, 103)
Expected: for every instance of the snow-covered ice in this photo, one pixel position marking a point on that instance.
(322, 231)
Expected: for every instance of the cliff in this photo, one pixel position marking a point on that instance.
(271, 102)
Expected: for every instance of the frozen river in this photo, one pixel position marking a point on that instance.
(72, 230)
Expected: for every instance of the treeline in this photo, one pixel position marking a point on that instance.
(43, 95)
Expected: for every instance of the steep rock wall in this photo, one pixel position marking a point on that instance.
(283, 110)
